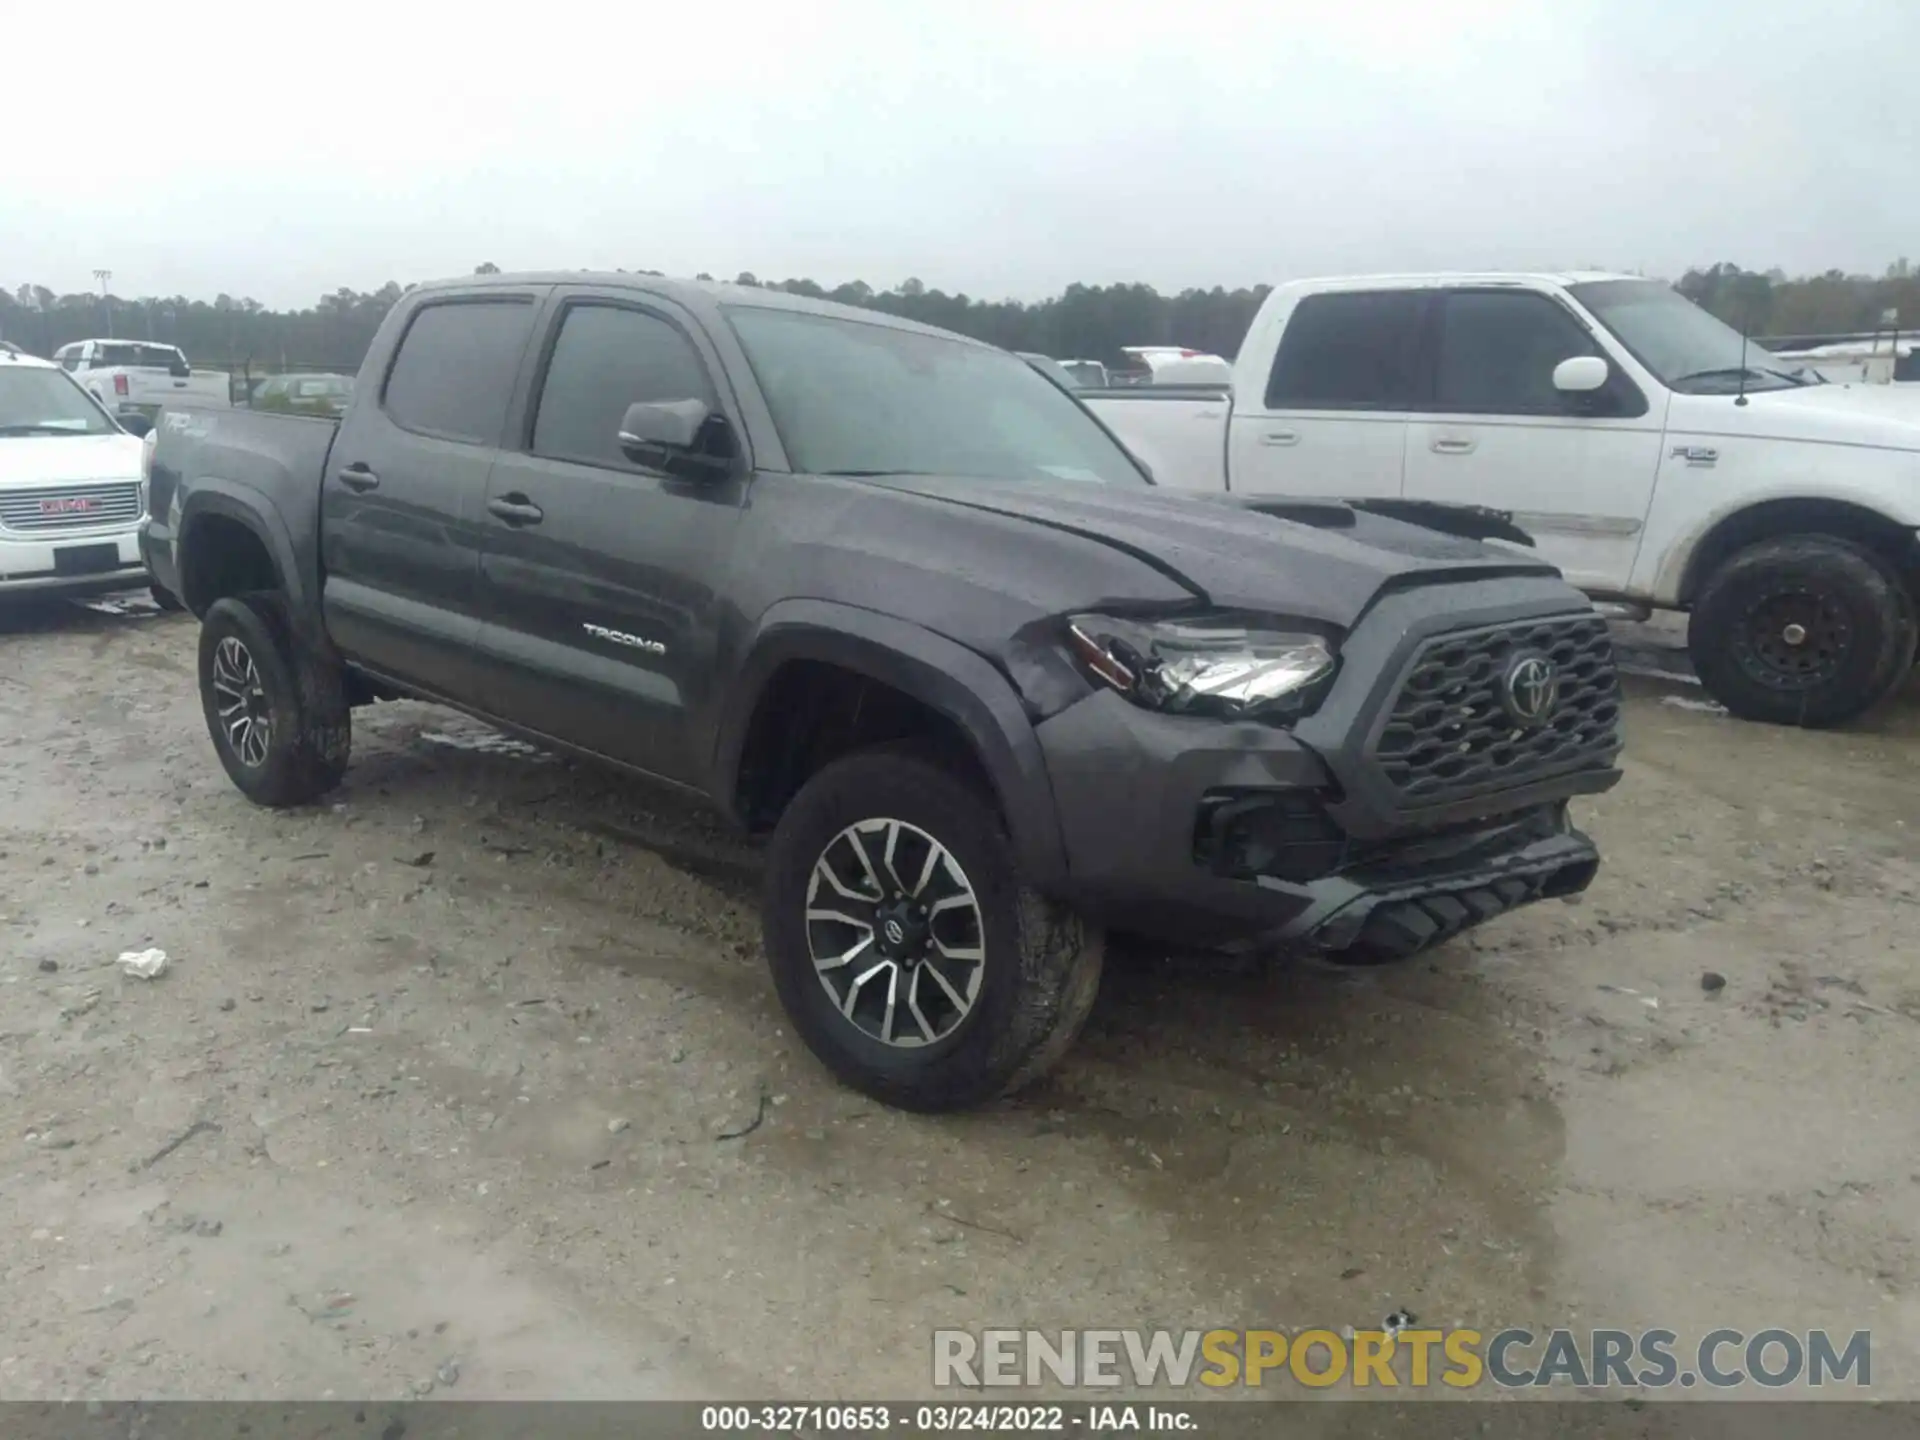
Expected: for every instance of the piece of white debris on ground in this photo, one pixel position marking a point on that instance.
(143, 964)
(1683, 702)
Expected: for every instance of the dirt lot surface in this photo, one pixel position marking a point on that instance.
(472, 1083)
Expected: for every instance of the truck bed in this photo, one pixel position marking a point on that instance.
(255, 454)
(1180, 431)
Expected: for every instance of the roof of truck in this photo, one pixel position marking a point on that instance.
(1464, 277)
(693, 293)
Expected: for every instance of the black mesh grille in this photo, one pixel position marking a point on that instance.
(1450, 735)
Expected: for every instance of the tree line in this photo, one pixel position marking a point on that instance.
(1083, 321)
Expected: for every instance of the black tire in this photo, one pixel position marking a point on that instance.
(308, 730)
(1040, 965)
(165, 599)
(1848, 608)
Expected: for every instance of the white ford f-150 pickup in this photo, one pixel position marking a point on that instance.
(1650, 452)
(136, 377)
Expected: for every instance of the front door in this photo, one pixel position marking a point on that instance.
(598, 573)
(1576, 471)
(1332, 421)
(405, 482)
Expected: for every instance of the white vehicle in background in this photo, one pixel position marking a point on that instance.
(1652, 453)
(1862, 360)
(1171, 365)
(137, 377)
(72, 486)
(1086, 372)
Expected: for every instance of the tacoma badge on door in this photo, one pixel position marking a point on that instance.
(620, 637)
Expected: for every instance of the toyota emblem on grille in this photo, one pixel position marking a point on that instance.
(69, 505)
(1530, 688)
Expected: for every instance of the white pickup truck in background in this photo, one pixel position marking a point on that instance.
(1649, 451)
(137, 377)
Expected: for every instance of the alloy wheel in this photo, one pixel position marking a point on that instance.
(896, 932)
(241, 700)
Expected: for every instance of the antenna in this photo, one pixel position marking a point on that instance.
(1746, 323)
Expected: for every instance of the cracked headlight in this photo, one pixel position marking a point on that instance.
(1206, 665)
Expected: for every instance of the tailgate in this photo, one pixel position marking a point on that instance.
(148, 390)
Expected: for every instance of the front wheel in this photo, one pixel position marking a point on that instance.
(910, 956)
(278, 715)
(1810, 630)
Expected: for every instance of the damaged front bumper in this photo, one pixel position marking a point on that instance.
(1368, 916)
(1369, 831)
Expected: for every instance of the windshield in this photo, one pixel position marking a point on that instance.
(1681, 343)
(137, 357)
(45, 402)
(853, 398)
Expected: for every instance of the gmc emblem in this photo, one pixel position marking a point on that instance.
(69, 505)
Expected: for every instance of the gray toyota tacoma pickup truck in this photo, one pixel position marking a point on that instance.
(893, 600)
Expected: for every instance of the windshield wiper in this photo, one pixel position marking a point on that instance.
(869, 474)
(1734, 373)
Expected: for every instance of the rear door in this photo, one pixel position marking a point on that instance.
(1577, 471)
(1333, 418)
(600, 574)
(406, 484)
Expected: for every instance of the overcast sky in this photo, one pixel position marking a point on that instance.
(281, 150)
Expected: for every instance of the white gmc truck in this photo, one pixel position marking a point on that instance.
(1653, 455)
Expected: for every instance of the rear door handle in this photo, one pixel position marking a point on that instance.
(1453, 445)
(1280, 437)
(516, 509)
(357, 477)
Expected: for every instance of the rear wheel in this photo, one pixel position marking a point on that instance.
(277, 714)
(912, 959)
(1810, 630)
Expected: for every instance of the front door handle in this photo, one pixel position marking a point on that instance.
(516, 509)
(357, 477)
(1280, 437)
(1453, 445)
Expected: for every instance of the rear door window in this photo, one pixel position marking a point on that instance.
(1351, 350)
(454, 372)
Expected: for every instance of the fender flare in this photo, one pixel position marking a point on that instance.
(242, 504)
(943, 675)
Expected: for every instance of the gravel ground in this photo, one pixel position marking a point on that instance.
(471, 1083)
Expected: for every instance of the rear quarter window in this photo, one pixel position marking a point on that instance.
(454, 371)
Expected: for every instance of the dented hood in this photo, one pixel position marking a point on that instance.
(1317, 560)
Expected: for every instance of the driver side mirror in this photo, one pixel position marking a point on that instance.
(681, 437)
(1580, 375)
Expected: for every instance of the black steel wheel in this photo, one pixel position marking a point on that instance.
(1810, 630)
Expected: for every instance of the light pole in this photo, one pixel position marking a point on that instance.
(103, 276)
